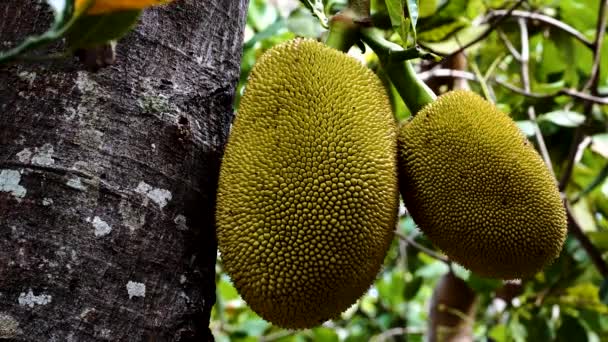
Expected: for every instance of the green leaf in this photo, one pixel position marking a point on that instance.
(399, 23)
(367, 304)
(226, 290)
(412, 287)
(317, 8)
(583, 214)
(599, 239)
(391, 288)
(582, 14)
(601, 177)
(603, 294)
(253, 327)
(548, 88)
(440, 32)
(261, 14)
(499, 333)
(517, 329)
(570, 330)
(427, 8)
(600, 144)
(584, 296)
(433, 269)
(412, 11)
(563, 118)
(481, 284)
(551, 61)
(303, 24)
(538, 329)
(526, 126)
(93, 30)
(395, 11)
(461, 38)
(271, 31)
(323, 334)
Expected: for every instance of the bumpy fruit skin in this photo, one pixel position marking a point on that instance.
(478, 189)
(308, 194)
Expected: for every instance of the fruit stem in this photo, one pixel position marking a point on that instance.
(414, 92)
(343, 31)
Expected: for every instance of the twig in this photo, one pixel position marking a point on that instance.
(525, 78)
(508, 44)
(462, 315)
(570, 92)
(277, 335)
(471, 77)
(451, 73)
(483, 35)
(588, 246)
(422, 248)
(546, 20)
(525, 54)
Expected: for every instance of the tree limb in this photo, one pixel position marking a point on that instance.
(482, 36)
(426, 75)
(545, 19)
(422, 248)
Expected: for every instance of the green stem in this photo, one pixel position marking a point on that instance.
(343, 31)
(414, 92)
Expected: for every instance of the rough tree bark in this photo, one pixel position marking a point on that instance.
(107, 180)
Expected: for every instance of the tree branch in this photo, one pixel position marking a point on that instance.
(422, 248)
(588, 246)
(545, 19)
(525, 77)
(471, 77)
(508, 44)
(393, 332)
(482, 36)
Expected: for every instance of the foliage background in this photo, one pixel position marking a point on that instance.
(545, 93)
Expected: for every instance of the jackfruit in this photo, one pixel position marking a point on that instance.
(477, 188)
(308, 197)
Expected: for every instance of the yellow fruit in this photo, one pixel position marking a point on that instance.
(308, 195)
(478, 189)
(108, 6)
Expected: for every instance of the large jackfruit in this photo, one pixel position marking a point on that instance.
(308, 194)
(478, 189)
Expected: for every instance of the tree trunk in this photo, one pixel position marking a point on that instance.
(107, 180)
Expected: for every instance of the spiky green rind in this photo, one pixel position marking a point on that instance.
(308, 192)
(478, 189)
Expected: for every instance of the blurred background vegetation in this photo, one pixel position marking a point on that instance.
(543, 61)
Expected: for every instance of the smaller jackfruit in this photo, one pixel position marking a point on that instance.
(478, 189)
(307, 197)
